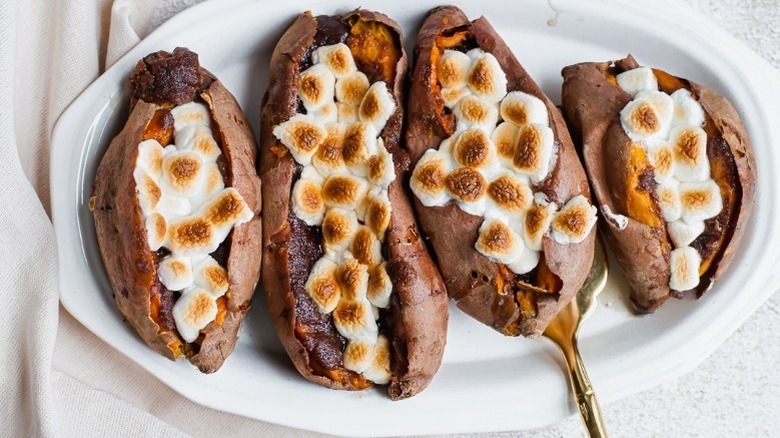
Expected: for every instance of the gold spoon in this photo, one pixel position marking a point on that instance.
(563, 331)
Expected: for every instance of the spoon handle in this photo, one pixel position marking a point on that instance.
(585, 396)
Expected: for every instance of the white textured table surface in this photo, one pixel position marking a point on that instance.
(736, 391)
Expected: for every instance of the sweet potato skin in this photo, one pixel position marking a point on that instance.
(469, 276)
(418, 312)
(121, 233)
(592, 105)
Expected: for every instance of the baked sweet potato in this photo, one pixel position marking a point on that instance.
(672, 169)
(455, 171)
(177, 211)
(330, 133)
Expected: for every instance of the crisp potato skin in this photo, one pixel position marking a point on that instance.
(592, 106)
(119, 223)
(452, 232)
(418, 312)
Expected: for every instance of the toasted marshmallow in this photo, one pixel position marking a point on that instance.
(381, 171)
(322, 285)
(344, 191)
(574, 221)
(684, 264)
(527, 261)
(638, 79)
(173, 207)
(302, 135)
(366, 247)
(473, 112)
(193, 311)
(351, 89)
(156, 231)
(379, 371)
(308, 204)
(468, 187)
(453, 69)
(380, 287)
(504, 138)
(690, 153)
(347, 113)
(183, 173)
(522, 108)
(226, 210)
(337, 57)
(192, 235)
(147, 191)
(451, 96)
(378, 214)
(150, 155)
(189, 114)
(338, 228)
(213, 183)
(498, 242)
(354, 320)
(537, 221)
(668, 195)
(485, 77)
(212, 277)
(360, 143)
(316, 87)
(428, 178)
(473, 149)
(329, 158)
(359, 355)
(648, 117)
(377, 106)
(352, 277)
(687, 110)
(200, 139)
(700, 200)
(175, 273)
(682, 233)
(510, 194)
(327, 113)
(661, 157)
(534, 151)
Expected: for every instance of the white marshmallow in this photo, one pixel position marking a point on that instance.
(316, 87)
(183, 173)
(360, 143)
(527, 261)
(329, 158)
(156, 230)
(485, 77)
(147, 191)
(668, 195)
(498, 242)
(150, 155)
(638, 79)
(347, 113)
(428, 178)
(188, 114)
(380, 287)
(337, 57)
(473, 112)
(213, 183)
(687, 110)
(522, 108)
(661, 157)
(648, 117)
(453, 69)
(209, 275)
(359, 355)
(377, 106)
(200, 139)
(192, 235)
(689, 145)
(351, 89)
(193, 311)
(365, 247)
(537, 221)
(451, 96)
(308, 204)
(173, 207)
(338, 228)
(227, 209)
(682, 233)
(175, 273)
(574, 221)
(354, 320)
(504, 138)
(327, 113)
(684, 264)
(379, 371)
(378, 211)
(534, 151)
(381, 171)
(302, 135)
(322, 285)
(700, 200)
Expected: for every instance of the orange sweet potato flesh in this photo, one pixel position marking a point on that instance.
(488, 291)
(592, 102)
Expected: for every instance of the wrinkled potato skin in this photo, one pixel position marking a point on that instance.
(469, 276)
(592, 104)
(122, 235)
(418, 314)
